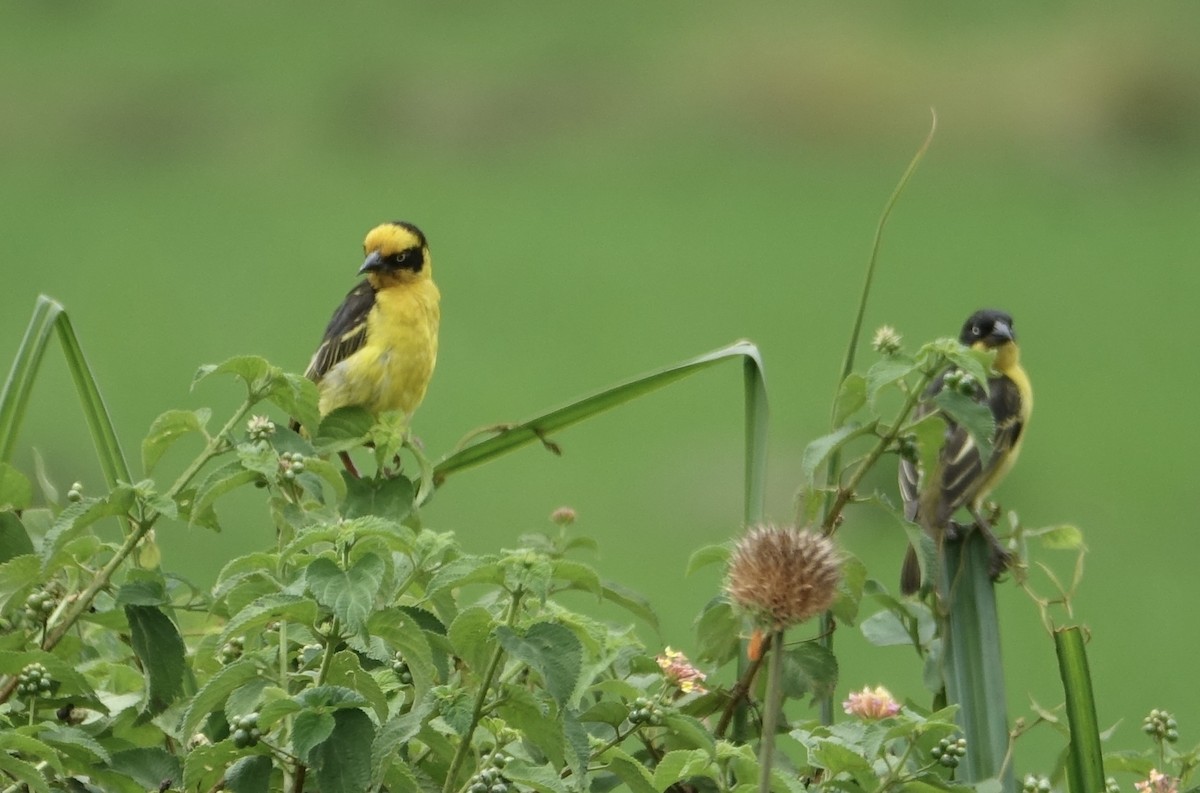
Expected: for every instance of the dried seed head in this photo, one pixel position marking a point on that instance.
(782, 576)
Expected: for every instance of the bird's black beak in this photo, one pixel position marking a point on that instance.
(373, 263)
(1001, 332)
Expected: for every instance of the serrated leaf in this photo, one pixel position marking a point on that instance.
(214, 693)
(522, 711)
(851, 396)
(150, 591)
(343, 761)
(77, 517)
(14, 539)
(148, 766)
(350, 594)
(160, 649)
(465, 570)
(22, 743)
(310, 728)
(706, 556)
(343, 429)
(330, 698)
(850, 589)
(885, 629)
(70, 738)
(810, 668)
(346, 670)
(973, 416)
(471, 637)
(390, 497)
(17, 575)
(551, 650)
(70, 681)
(401, 631)
(577, 574)
(635, 775)
(269, 608)
(397, 732)
(249, 775)
(204, 766)
(296, 395)
(818, 451)
(168, 428)
(838, 759)
(24, 772)
(631, 601)
(221, 481)
(691, 730)
(16, 492)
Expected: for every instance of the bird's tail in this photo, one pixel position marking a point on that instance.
(910, 573)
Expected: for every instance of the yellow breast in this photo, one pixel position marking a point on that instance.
(393, 368)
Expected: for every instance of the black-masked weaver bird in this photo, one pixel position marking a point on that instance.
(381, 345)
(966, 478)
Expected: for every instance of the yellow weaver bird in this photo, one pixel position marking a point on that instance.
(966, 478)
(381, 345)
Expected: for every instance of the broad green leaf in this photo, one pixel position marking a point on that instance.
(75, 744)
(718, 632)
(522, 711)
(148, 766)
(631, 601)
(16, 493)
(682, 765)
(852, 395)
(465, 570)
(396, 733)
(168, 428)
(23, 743)
(542, 778)
(885, 629)
(309, 729)
(24, 772)
(70, 682)
(838, 759)
(606, 711)
(14, 540)
(147, 591)
(18, 575)
(390, 497)
(77, 517)
(296, 395)
(350, 594)
(343, 761)
(706, 556)
(629, 770)
(577, 575)
(817, 452)
(331, 698)
(810, 668)
(690, 730)
(850, 589)
(344, 429)
(221, 481)
(1059, 538)
(455, 707)
(266, 609)
(471, 637)
(323, 471)
(160, 649)
(249, 775)
(248, 698)
(204, 766)
(402, 632)
(214, 693)
(254, 371)
(551, 650)
(346, 670)
(974, 417)
(884, 373)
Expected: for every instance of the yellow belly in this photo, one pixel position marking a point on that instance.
(392, 370)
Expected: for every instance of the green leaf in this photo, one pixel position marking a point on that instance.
(344, 429)
(402, 632)
(706, 556)
(160, 649)
(1059, 538)
(682, 765)
(16, 492)
(975, 417)
(852, 395)
(18, 575)
(204, 766)
(331, 698)
(221, 481)
(465, 570)
(343, 761)
(577, 575)
(551, 650)
(850, 589)
(350, 594)
(542, 778)
(631, 601)
(310, 728)
(150, 591)
(471, 637)
(168, 428)
(148, 766)
(884, 373)
(214, 693)
(633, 773)
(1085, 766)
(269, 608)
(254, 371)
(390, 497)
(930, 434)
(397, 732)
(838, 759)
(690, 730)
(817, 452)
(346, 670)
(885, 629)
(14, 540)
(77, 517)
(717, 632)
(24, 772)
(70, 681)
(296, 395)
(249, 775)
(810, 668)
(70, 739)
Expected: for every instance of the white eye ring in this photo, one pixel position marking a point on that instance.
(975, 330)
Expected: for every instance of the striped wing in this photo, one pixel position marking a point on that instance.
(346, 333)
(963, 472)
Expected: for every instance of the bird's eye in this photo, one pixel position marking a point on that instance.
(975, 331)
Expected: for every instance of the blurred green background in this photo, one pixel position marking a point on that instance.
(612, 187)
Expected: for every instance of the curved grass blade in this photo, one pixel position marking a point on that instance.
(537, 429)
(49, 316)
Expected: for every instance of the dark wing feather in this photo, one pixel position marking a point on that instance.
(346, 333)
(962, 469)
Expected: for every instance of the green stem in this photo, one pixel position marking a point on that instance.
(772, 707)
(331, 640)
(485, 684)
